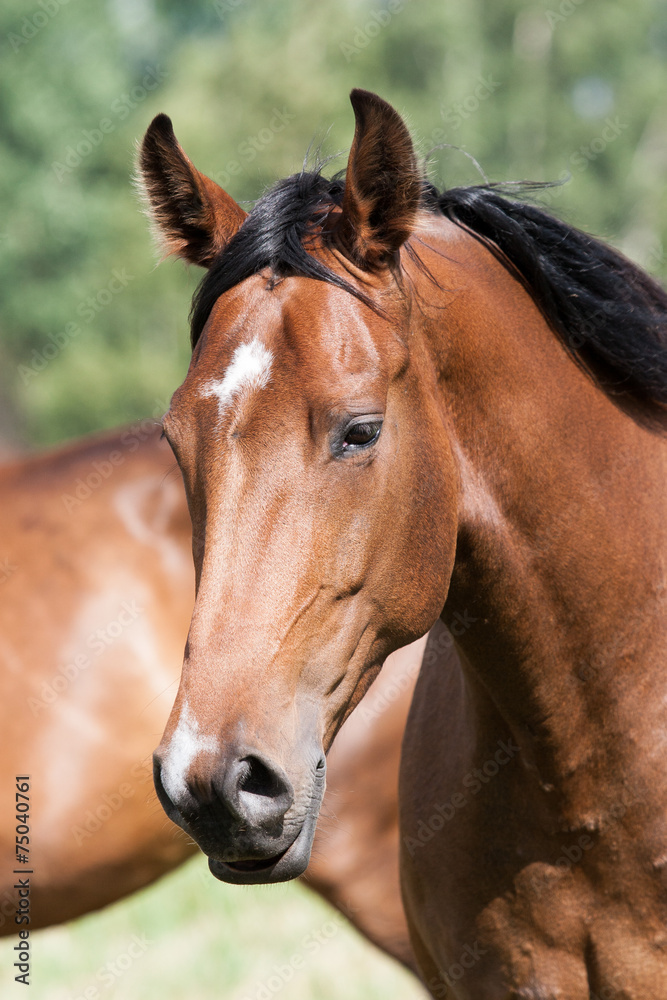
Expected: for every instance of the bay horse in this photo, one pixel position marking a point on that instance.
(97, 589)
(402, 405)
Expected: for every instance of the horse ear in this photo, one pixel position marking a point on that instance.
(382, 184)
(192, 215)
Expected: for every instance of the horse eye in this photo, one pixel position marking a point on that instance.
(361, 435)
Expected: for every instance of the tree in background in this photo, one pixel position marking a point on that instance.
(91, 335)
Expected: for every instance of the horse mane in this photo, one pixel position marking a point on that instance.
(274, 235)
(609, 315)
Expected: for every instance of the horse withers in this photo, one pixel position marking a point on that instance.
(405, 404)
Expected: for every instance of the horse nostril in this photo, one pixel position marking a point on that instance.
(249, 793)
(259, 792)
(258, 779)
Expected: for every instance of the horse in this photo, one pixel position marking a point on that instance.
(97, 591)
(402, 405)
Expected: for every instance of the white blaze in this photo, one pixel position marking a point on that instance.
(184, 745)
(249, 368)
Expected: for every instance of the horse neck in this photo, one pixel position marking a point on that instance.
(559, 580)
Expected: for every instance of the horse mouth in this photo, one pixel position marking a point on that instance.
(287, 864)
(253, 865)
(282, 867)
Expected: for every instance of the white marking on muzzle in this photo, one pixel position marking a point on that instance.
(184, 745)
(249, 368)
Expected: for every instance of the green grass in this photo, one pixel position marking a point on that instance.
(203, 940)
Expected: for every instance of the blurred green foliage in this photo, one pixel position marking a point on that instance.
(92, 335)
(200, 939)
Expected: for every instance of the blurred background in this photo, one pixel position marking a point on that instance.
(92, 335)
(551, 89)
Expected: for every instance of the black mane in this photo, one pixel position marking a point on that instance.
(609, 314)
(273, 236)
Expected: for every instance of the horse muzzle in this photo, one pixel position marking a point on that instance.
(244, 815)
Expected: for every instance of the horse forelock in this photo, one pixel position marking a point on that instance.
(275, 235)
